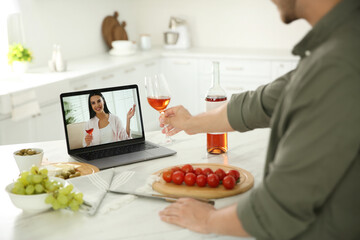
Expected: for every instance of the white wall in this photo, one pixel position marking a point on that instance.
(76, 24)
(221, 23)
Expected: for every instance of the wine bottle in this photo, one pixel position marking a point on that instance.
(217, 143)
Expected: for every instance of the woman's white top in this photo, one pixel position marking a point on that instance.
(106, 134)
(116, 126)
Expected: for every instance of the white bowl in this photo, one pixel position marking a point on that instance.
(26, 162)
(31, 203)
(122, 44)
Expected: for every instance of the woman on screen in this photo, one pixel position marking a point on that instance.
(104, 127)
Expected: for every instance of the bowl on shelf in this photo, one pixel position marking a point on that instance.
(31, 203)
(122, 44)
(25, 162)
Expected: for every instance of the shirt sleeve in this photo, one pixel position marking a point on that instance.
(120, 130)
(253, 109)
(320, 142)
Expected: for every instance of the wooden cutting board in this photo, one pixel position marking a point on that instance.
(246, 183)
(113, 30)
(83, 168)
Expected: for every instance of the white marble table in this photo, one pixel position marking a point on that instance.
(138, 219)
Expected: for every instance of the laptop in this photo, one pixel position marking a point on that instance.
(111, 141)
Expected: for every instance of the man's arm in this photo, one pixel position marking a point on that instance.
(244, 112)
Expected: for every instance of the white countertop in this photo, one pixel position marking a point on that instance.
(104, 62)
(138, 219)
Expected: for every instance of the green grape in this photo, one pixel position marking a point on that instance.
(56, 205)
(18, 185)
(37, 178)
(43, 171)
(29, 189)
(49, 199)
(79, 197)
(20, 191)
(51, 187)
(34, 170)
(29, 179)
(62, 199)
(39, 188)
(74, 205)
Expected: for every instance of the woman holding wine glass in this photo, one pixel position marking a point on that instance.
(158, 96)
(103, 126)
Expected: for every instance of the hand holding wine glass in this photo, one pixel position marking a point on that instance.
(158, 95)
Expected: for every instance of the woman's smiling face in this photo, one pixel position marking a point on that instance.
(97, 104)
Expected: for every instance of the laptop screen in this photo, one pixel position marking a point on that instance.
(102, 117)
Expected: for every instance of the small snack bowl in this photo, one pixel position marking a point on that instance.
(31, 203)
(25, 160)
(122, 44)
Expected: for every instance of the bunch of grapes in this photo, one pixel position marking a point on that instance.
(64, 198)
(37, 181)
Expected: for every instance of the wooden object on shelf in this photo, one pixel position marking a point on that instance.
(113, 30)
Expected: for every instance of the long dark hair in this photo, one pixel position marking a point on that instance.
(91, 111)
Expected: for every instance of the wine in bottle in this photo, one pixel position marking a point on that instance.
(217, 143)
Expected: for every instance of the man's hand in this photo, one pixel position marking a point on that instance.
(204, 218)
(188, 213)
(176, 119)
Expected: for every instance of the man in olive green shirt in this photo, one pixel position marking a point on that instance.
(311, 186)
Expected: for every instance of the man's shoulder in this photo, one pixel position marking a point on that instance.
(343, 45)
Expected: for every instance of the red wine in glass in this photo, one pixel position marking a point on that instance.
(159, 103)
(89, 131)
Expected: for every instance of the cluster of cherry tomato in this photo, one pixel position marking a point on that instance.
(201, 177)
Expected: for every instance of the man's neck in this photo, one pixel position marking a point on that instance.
(312, 11)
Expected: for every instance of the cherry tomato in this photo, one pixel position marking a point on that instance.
(201, 180)
(207, 171)
(176, 169)
(187, 168)
(220, 173)
(229, 182)
(213, 180)
(234, 173)
(167, 175)
(178, 177)
(198, 171)
(190, 179)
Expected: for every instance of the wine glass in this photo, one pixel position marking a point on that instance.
(158, 96)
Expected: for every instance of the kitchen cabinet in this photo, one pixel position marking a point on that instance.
(49, 125)
(189, 74)
(182, 76)
(235, 76)
(279, 68)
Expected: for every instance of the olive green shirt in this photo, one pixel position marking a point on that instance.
(311, 185)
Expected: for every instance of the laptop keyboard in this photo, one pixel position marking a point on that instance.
(103, 153)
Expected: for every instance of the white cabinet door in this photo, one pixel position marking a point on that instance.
(135, 74)
(12, 132)
(182, 76)
(46, 126)
(49, 124)
(279, 68)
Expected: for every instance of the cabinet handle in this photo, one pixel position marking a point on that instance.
(81, 87)
(235, 68)
(129, 70)
(182, 62)
(107, 77)
(149, 64)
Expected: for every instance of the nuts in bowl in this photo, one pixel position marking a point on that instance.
(26, 158)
